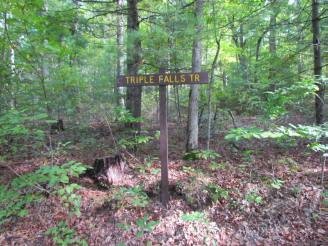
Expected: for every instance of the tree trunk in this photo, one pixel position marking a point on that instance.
(43, 81)
(192, 127)
(272, 47)
(257, 53)
(209, 94)
(224, 78)
(299, 41)
(238, 39)
(320, 93)
(272, 37)
(11, 78)
(257, 56)
(120, 54)
(2, 77)
(45, 75)
(177, 103)
(133, 94)
(242, 57)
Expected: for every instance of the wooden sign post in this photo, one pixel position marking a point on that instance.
(162, 80)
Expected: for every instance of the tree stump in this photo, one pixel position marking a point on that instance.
(57, 127)
(107, 170)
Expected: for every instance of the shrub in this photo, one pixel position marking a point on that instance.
(17, 128)
(30, 188)
(131, 197)
(217, 192)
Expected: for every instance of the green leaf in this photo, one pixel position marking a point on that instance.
(258, 199)
(140, 222)
(53, 181)
(23, 213)
(64, 179)
(155, 171)
(194, 216)
(150, 226)
(140, 234)
(191, 156)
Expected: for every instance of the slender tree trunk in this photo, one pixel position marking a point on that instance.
(12, 77)
(74, 62)
(224, 78)
(209, 94)
(272, 37)
(192, 127)
(272, 46)
(257, 53)
(216, 113)
(299, 41)
(238, 39)
(133, 97)
(120, 54)
(2, 77)
(200, 115)
(44, 79)
(45, 74)
(242, 57)
(12, 66)
(177, 103)
(320, 93)
(258, 46)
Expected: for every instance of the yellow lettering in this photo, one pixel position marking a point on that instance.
(197, 77)
(145, 80)
(132, 80)
(182, 78)
(171, 80)
(127, 79)
(191, 77)
(166, 79)
(141, 78)
(151, 79)
(176, 79)
(160, 78)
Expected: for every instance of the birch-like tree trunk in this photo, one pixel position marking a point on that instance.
(12, 66)
(192, 127)
(120, 54)
(12, 77)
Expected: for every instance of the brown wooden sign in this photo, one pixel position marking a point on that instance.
(163, 79)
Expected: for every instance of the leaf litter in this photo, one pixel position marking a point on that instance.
(255, 212)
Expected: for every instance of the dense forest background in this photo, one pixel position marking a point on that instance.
(62, 57)
(260, 121)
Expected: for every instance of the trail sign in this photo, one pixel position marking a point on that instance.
(162, 80)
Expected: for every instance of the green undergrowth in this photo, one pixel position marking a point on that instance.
(131, 197)
(31, 188)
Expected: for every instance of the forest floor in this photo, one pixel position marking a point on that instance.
(261, 194)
